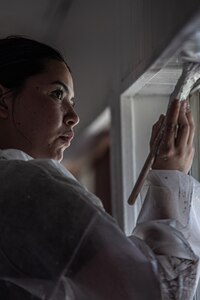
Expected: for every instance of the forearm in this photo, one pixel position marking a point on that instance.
(164, 225)
(176, 262)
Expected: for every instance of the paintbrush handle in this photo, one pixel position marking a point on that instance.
(141, 178)
(146, 167)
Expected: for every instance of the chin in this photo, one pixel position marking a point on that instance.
(58, 156)
(55, 156)
(53, 153)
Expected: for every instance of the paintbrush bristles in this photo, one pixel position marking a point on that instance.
(190, 75)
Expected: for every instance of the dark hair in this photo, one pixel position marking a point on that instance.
(21, 58)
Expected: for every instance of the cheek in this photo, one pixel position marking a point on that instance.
(38, 118)
(50, 117)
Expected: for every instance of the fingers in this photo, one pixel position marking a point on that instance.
(183, 127)
(185, 134)
(191, 126)
(167, 145)
(171, 123)
(156, 128)
(176, 149)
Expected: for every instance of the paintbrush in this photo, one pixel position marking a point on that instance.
(188, 82)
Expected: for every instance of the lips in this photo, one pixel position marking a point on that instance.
(67, 136)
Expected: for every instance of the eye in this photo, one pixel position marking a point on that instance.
(57, 94)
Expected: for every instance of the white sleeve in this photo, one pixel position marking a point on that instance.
(168, 223)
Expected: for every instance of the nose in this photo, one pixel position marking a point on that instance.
(71, 117)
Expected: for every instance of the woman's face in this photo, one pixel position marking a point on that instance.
(43, 112)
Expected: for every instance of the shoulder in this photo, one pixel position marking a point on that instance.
(42, 181)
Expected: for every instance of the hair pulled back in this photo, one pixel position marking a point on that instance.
(21, 58)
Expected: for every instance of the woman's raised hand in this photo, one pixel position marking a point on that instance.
(176, 150)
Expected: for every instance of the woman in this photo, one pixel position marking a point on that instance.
(56, 241)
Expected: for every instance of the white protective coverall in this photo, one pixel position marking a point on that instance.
(57, 243)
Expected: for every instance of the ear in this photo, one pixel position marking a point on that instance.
(4, 111)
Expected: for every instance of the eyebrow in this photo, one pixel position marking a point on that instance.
(66, 87)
